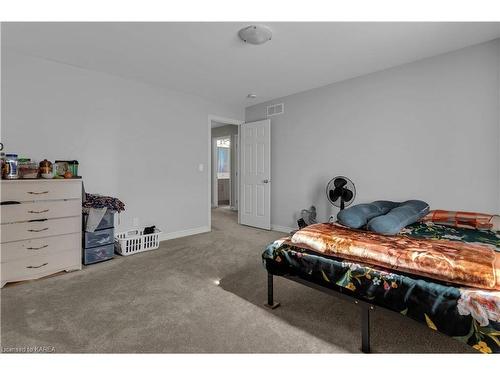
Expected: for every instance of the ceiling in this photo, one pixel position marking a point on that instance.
(208, 59)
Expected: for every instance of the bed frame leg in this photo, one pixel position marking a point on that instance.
(365, 328)
(270, 293)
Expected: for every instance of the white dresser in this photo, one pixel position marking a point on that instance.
(40, 232)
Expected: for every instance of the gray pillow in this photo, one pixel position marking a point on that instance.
(358, 216)
(405, 214)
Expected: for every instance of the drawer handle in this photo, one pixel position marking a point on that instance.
(38, 212)
(37, 230)
(37, 248)
(41, 265)
(37, 193)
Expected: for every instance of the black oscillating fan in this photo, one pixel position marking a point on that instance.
(340, 191)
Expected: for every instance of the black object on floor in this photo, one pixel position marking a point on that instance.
(301, 223)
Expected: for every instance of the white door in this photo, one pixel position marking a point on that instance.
(255, 174)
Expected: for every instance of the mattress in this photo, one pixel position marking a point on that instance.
(469, 314)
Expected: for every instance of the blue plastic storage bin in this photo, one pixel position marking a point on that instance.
(108, 220)
(98, 254)
(98, 238)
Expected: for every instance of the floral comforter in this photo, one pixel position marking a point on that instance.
(471, 315)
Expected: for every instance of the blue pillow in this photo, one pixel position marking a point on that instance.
(358, 216)
(405, 214)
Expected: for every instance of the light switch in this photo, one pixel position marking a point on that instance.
(201, 167)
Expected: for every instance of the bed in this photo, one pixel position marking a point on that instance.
(444, 277)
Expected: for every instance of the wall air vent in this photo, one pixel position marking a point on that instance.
(275, 109)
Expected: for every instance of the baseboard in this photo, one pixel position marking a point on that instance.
(205, 229)
(279, 228)
(184, 233)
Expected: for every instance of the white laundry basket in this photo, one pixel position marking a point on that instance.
(134, 241)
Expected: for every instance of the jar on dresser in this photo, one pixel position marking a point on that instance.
(40, 228)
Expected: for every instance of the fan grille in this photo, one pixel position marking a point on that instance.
(340, 191)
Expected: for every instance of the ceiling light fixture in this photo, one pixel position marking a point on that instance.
(251, 96)
(255, 34)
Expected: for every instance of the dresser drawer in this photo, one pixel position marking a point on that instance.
(39, 190)
(48, 245)
(39, 265)
(40, 210)
(38, 229)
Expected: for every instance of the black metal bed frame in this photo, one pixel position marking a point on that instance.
(365, 307)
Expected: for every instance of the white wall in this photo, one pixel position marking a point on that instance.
(427, 130)
(134, 141)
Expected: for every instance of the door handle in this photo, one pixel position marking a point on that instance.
(37, 248)
(41, 265)
(37, 230)
(266, 181)
(36, 193)
(38, 212)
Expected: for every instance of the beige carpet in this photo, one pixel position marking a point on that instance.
(168, 301)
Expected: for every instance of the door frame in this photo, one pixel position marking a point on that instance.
(227, 121)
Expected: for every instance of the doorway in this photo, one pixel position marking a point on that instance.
(223, 172)
(224, 167)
